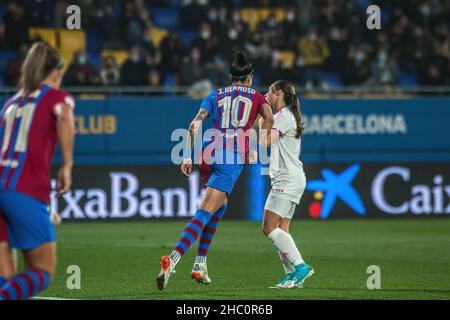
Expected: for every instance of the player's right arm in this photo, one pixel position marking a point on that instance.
(65, 131)
(186, 166)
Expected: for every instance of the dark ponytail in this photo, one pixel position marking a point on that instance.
(241, 67)
(291, 99)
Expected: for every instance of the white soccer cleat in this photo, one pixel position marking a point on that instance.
(167, 268)
(200, 273)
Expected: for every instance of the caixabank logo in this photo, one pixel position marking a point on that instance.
(378, 191)
(333, 187)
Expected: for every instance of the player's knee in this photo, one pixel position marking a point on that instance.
(267, 228)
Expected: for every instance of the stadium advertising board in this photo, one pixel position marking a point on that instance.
(377, 191)
(359, 191)
(139, 131)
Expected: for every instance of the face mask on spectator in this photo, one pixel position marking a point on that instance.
(81, 59)
(212, 15)
(425, 10)
(205, 34)
(134, 57)
(382, 57)
(290, 16)
(335, 34)
(232, 34)
(312, 37)
(147, 38)
(359, 56)
(271, 22)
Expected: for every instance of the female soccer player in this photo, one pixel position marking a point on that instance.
(287, 179)
(233, 110)
(31, 122)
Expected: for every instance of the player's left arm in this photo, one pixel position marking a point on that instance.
(186, 166)
(65, 131)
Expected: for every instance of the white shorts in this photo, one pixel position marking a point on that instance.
(282, 207)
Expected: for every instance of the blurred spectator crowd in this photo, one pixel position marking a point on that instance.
(316, 43)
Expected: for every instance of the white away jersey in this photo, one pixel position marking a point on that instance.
(286, 169)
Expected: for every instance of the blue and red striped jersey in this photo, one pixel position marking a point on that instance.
(231, 108)
(28, 138)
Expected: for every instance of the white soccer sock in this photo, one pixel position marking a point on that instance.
(287, 266)
(175, 256)
(200, 259)
(284, 242)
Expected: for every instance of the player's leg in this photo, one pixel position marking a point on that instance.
(272, 221)
(39, 271)
(7, 262)
(211, 202)
(287, 265)
(30, 230)
(200, 269)
(304, 270)
(276, 210)
(7, 259)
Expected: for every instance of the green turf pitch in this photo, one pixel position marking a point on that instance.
(121, 260)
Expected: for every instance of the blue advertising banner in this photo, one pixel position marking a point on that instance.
(129, 130)
(376, 130)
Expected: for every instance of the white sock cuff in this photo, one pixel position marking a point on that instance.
(274, 234)
(200, 259)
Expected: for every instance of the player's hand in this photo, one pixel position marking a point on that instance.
(195, 124)
(253, 156)
(55, 218)
(64, 179)
(186, 167)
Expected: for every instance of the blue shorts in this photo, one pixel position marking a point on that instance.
(220, 176)
(27, 220)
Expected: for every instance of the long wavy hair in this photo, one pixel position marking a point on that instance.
(40, 61)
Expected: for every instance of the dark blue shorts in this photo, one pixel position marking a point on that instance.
(27, 220)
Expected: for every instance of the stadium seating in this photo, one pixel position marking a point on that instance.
(119, 55)
(5, 56)
(251, 17)
(332, 79)
(254, 16)
(95, 59)
(406, 79)
(45, 34)
(169, 84)
(157, 35)
(71, 41)
(176, 4)
(187, 37)
(93, 41)
(287, 58)
(165, 18)
(2, 10)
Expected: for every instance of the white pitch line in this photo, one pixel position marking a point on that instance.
(51, 298)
